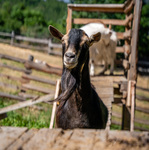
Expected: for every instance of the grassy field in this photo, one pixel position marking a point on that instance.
(32, 117)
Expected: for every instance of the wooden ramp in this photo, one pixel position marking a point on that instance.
(104, 88)
(15, 138)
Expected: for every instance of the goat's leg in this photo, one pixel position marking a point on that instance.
(112, 67)
(92, 68)
(104, 69)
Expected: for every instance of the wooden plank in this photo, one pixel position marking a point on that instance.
(15, 68)
(22, 140)
(97, 7)
(137, 108)
(128, 7)
(34, 40)
(63, 140)
(120, 35)
(14, 97)
(8, 135)
(100, 140)
(27, 95)
(104, 90)
(43, 139)
(5, 34)
(143, 89)
(123, 49)
(6, 85)
(69, 19)
(36, 88)
(137, 120)
(105, 21)
(126, 64)
(79, 139)
(57, 92)
(10, 77)
(136, 128)
(120, 49)
(39, 79)
(45, 68)
(19, 105)
(142, 98)
(132, 75)
(20, 60)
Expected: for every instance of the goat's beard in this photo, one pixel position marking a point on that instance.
(71, 86)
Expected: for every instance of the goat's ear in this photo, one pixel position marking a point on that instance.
(57, 34)
(95, 38)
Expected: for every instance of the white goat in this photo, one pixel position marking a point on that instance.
(104, 49)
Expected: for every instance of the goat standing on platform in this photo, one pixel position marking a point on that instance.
(104, 49)
(80, 106)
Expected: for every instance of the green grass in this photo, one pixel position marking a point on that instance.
(26, 117)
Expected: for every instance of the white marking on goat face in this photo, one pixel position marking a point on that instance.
(72, 46)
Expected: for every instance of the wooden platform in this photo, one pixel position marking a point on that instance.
(105, 90)
(14, 138)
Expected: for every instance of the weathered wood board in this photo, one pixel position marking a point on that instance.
(104, 88)
(13, 138)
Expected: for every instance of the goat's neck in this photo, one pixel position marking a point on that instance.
(79, 76)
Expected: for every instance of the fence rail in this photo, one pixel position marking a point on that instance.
(48, 42)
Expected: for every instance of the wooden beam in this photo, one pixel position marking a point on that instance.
(44, 68)
(124, 35)
(14, 97)
(128, 7)
(105, 21)
(34, 40)
(15, 68)
(6, 85)
(126, 64)
(36, 88)
(69, 19)
(39, 79)
(57, 92)
(137, 120)
(119, 49)
(127, 34)
(20, 60)
(111, 8)
(10, 77)
(19, 105)
(132, 74)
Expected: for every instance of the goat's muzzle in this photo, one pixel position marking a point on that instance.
(70, 60)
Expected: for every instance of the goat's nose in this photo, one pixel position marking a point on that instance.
(70, 55)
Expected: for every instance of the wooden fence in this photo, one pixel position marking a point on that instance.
(48, 45)
(26, 84)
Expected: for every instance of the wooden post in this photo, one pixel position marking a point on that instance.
(128, 116)
(50, 48)
(12, 38)
(57, 92)
(133, 84)
(69, 19)
(30, 59)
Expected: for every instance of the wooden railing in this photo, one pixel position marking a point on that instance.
(48, 44)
